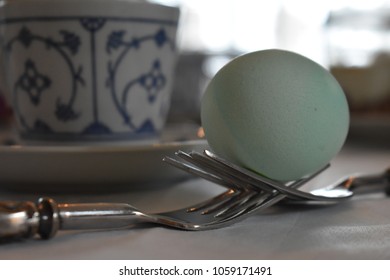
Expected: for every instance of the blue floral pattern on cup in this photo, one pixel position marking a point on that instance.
(36, 84)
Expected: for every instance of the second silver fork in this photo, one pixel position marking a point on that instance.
(269, 192)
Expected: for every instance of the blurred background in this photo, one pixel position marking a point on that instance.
(351, 38)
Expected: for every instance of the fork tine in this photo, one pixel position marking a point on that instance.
(210, 206)
(235, 175)
(259, 181)
(214, 201)
(198, 172)
(238, 209)
(219, 209)
(207, 167)
(257, 202)
(224, 172)
(217, 204)
(242, 173)
(229, 207)
(263, 200)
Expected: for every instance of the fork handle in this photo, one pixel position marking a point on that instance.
(44, 218)
(26, 219)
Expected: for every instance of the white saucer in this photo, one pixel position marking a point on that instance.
(89, 168)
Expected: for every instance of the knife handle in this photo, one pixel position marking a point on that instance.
(27, 219)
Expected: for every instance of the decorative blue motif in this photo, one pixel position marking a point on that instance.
(71, 41)
(64, 112)
(115, 41)
(32, 82)
(96, 128)
(92, 24)
(25, 37)
(153, 81)
(41, 127)
(37, 85)
(161, 38)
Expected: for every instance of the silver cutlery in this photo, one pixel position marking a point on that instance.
(216, 169)
(44, 218)
(263, 201)
(247, 193)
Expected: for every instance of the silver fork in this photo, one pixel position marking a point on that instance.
(27, 219)
(263, 201)
(252, 201)
(210, 165)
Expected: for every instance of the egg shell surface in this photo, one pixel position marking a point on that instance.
(275, 112)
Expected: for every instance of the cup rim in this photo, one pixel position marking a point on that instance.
(25, 10)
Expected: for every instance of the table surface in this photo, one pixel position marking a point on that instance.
(355, 229)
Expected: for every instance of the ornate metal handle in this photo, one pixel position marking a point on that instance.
(26, 219)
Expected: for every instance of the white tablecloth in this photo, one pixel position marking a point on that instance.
(355, 229)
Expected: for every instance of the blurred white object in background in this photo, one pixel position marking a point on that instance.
(214, 31)
(226, 25)
(240, 26)
(300, 28)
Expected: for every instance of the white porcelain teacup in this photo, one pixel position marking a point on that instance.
(88, 70)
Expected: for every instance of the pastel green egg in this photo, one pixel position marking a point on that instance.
(275, 112)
